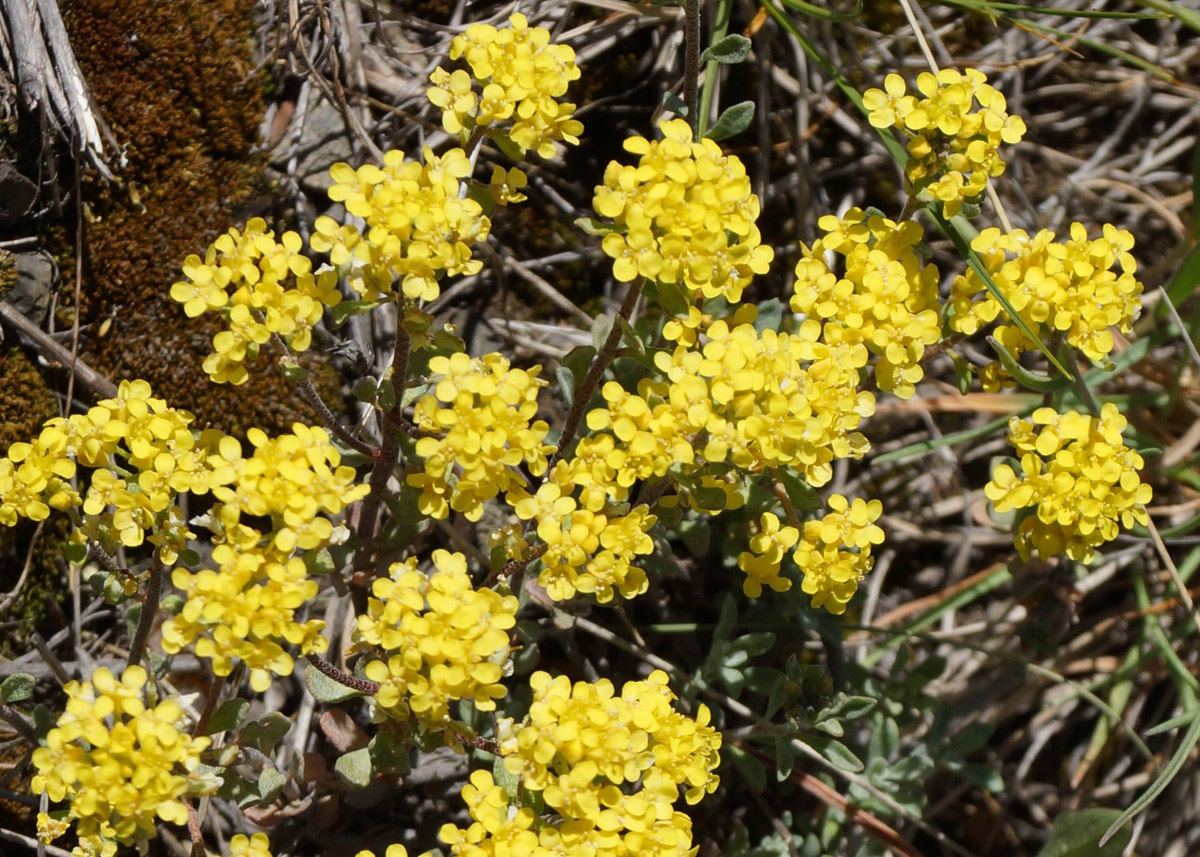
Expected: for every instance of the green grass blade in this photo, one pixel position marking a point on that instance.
(1173, 767)
(1001, 10)
(1186, 16)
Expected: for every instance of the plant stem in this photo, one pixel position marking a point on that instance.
(515, 567)
(691, 47)
(591, 381)
(18, 722)
(1085, 392)
(385, 465)
(341, 677)
(193, 826)
(150, 599)
(720, 28)
(210, 704)
(309, 393)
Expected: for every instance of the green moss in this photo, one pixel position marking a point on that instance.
(176, 82)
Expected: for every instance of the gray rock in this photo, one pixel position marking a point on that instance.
(17, 194)
(323, 142)
(30, 294)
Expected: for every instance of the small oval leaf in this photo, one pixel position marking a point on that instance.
(733, 120)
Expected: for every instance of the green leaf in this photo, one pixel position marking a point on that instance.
(708, 499)
(730, 50)
(293, 371)
(673, 299)
(1077, 834)
(733, 120)
(770, 315)
(785, 757)
(386, 394)
(1174, 723)
(831, 726)
(577, 361)
(848, 707)
(42, 721)
(354, 768)
(629, 335)
(18, 687)
(727, 618)
(270, 782)
(231, 715)
(1029, 380)
(834, 752)
(754, 644)
(265, 733)
(804, 497)
(365, 389)
(345, 309)
(319, 562)
(592, 226)
(675, 104)
(749, 767)
(325, 689)
(1187, 276)
(511, 783)
(972, 737)
(566, 385)
(389, 755)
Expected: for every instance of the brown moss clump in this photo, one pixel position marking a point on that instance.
(25, 401)
(176, 83)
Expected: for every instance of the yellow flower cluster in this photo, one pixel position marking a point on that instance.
(1078, 477)
(685, 214)
(244, 609)
(121, 761)
(954, 132)
(420, 225)
(885, 296)
(609, 768)
(34, 478)
(755, 400)
(520, 76)
(143, 453)
(762, 562)
(833, 553)
(590, 549)
(262, 286)
(294, 479)
(248, 606)
(1061, 288)
(480, 419)
(445, 640)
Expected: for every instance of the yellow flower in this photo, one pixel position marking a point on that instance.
(483, 410)
(886, 298)
(121, 760)
(685, 214)
(444, 639)
(420, 225)
(245, 276)
(1062, 289)
(1079, 478)
(835, 552)
(521, 76)
(761, 563)
(954, 132)
(257, 845)
(609, 769)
